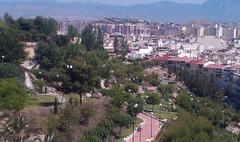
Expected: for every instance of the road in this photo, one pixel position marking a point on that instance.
(145, 134)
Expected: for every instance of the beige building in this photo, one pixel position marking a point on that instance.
(29, 48)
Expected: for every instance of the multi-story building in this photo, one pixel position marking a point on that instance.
(197, 65)
(210, 31)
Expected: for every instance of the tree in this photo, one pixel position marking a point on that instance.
(61, 40)
(118, 69)
(88, 37)
(131, 88)
(12, 95)
(56, 106)
(99, 133)
(9, 21)
(119, 97)
(135, 105)
(184, 101)
(17, 129)
(92, 38)
(47, 26)
(78, 77)
(186, 129)
(121, 120)
(98, 59)
(120, 47)
(69, 118)
(135, 72)
(104, 129)
(152, 99)
(25, 24)
(48, 55)
(116, 44)
(52, 123)
(86, 112)
(153, 79)
(99, 38)
(10, 48)
(39, 84)
(10, 71)
(72, 31)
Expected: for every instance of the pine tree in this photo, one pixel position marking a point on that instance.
(55, 106)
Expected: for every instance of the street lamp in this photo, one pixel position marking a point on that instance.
(40, 75)
(151, 124)
(160, 109)
(70, 66)
(146, 103)
(3, 59)
(192, 109)
(140, 130)
(134, 115)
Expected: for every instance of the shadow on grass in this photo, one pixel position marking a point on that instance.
(46, 104)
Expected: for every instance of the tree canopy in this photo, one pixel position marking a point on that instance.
(12, 95)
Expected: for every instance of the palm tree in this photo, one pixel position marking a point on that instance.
(49, 138)
(17, 129)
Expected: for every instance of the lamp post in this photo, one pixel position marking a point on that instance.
(192, 109)
(140, 133)
(151, 124)
(40, 75)
(160, 113)
(3, 57)
(129, 90)
(146, 103)
(134, 115)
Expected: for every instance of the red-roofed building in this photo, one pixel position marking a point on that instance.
(162, 59)
(197, 65)
(180, 59)
(177, 62)
(215, 70)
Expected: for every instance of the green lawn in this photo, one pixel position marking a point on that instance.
(40, 100)
(165, 115)
(163, 111)
(77, 97)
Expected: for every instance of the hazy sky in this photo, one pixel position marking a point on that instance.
(123, 2)
(131, 2)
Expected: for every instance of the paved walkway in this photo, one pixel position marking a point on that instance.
(145, 134)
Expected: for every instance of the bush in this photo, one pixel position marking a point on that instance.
(10, 71)
(12, 95)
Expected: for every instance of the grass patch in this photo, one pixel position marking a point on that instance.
(163, 111)
(165, 115)
(40, 100)
(75, 96)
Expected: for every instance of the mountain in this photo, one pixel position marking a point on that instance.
(214, 10)
(223, 10)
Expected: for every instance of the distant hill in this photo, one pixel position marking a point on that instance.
(214, 10)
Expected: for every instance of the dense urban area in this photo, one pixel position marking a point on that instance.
(118, 80)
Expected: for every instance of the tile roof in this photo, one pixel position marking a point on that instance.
(215, 66)
(162, 58)
(202, 62)
(195, 62)
(180, 59)
(235, 66)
